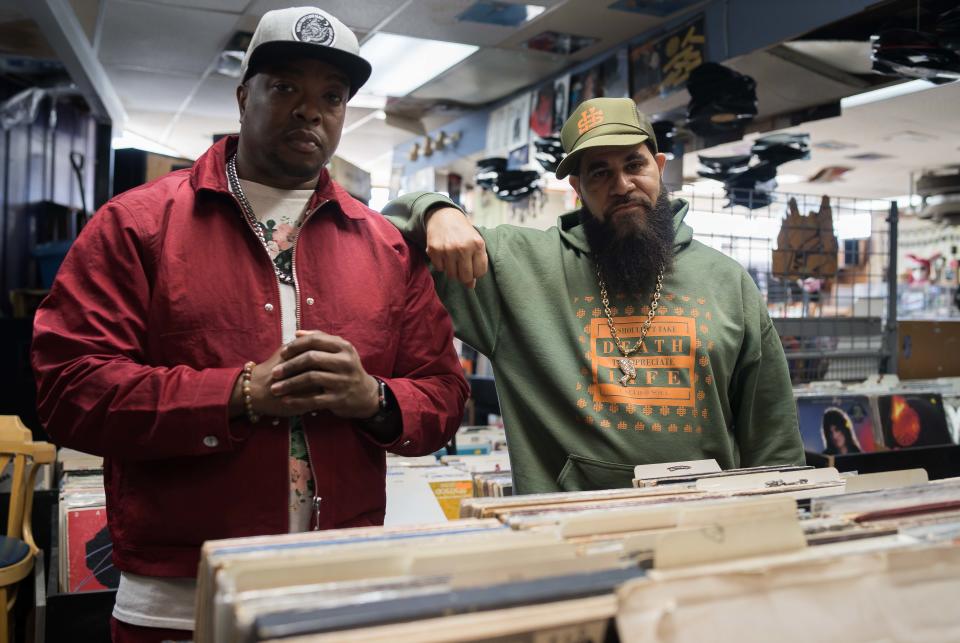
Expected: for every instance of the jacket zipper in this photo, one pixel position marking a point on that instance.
(315, 504)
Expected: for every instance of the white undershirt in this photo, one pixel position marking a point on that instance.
(151, 601)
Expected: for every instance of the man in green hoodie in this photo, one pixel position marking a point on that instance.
(615, 338)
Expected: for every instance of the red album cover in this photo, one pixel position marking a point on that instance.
(89, 550)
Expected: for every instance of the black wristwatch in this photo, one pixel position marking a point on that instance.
(387, 405)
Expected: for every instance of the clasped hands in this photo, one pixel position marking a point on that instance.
(314, 372)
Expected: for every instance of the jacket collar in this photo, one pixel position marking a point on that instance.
(209, 173)
(572, 232)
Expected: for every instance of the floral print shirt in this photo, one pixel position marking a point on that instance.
(279, 214)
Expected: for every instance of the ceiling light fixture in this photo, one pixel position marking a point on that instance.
(401, 64)
(885, 93)
(133, 140)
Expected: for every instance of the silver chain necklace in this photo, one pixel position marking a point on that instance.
(251, 218)
(626, 366)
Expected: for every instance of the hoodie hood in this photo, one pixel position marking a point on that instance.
(571, 229)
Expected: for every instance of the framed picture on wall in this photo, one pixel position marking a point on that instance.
(541, 114)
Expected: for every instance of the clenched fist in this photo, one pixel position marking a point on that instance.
(455, 247)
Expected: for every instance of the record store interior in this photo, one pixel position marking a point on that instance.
(585, 321)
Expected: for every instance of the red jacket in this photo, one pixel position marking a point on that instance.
(160, 301)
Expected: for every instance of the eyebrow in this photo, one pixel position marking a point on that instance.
(598, 165)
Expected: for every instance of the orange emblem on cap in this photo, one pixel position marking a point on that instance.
(589, 118)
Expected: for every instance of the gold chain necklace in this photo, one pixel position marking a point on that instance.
(626, 366)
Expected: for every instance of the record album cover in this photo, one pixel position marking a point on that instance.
(913, 420)
(836, 425)
(89, 551)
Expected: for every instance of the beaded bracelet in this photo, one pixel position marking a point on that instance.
(247, 395)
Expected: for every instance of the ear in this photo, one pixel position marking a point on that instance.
(575, 184)
(242, 93)
(661, 160)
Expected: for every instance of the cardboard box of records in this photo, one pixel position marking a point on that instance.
(687, 555)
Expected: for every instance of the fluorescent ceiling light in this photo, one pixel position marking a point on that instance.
(790, 179)
(534, 10)
(885, 93)
(401, 63)
(131, 139)
(368, 101)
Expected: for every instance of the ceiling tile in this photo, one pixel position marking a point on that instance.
(355, 14)
(491, 74)
(227, 6)
(149, 124)
(86, 12)
(193, 134)
(216, 98)
(585, 18)
(163, 38)
(152, 91)
(438, 21)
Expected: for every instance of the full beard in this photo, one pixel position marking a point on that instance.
(631, 255)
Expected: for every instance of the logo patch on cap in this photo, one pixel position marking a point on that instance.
(314, 29)
(589, 118)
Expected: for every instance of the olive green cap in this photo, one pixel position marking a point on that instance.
(603, 122)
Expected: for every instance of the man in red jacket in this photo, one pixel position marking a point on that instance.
(243, 341)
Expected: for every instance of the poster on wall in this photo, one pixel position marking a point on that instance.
(836, 425)
(663, 66)
(498, 132)
(541, 114)
(519, 120)
(561, 94)
(454, 186)
(509, 126)
(584, 86)
(616, 75)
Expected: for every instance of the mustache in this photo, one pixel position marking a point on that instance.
(636, 201)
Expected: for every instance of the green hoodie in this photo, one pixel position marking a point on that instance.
(712, 379)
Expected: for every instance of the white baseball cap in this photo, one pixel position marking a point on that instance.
(306, 31)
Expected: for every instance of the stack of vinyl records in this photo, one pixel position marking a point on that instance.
(659, 562)
(491, 473)
(85, 549)
(423, 490)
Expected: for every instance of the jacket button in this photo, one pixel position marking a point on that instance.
(406, 443)
(313, 414)
(309, 301)
(211, 441)
(275, 422)
(268, 307)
